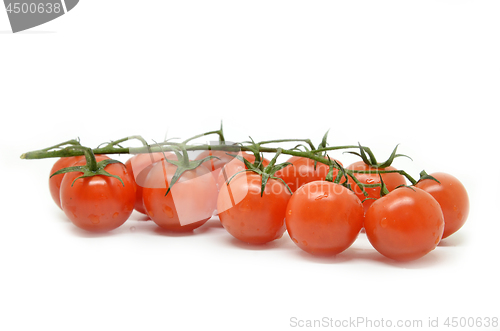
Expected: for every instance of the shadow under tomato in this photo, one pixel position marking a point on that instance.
(432, 258)
(88, 234)
(456, 239)
(333, 259)
(214, 223)
(232, 241)
(350, 254)
(372, 256)
(142, 218)
(59, 215)
(369, 254)
(167, 233)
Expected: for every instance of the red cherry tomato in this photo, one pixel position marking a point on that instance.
(451, 196)
(190, 202)
(55, 181)
(324, 218)
(302, 171)
(391, 180)
(405, 225)
(99, 203)
(235, 166)
(247, 215)
(139, 166)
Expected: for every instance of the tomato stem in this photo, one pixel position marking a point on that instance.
(89, 156)
(74, 148)
(219, 132)
(308, 141)
(117, 142)
(72, 142)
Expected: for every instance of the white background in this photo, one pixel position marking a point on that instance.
(424, 74)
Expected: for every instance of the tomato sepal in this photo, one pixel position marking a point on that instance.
(383, 188)
(247, 163)
(266, 173)
(359, 184)
(425, 175)
(371, 161)
(88, 172)
(391, 158)
(340, 174)
(323, 144)
(183, 164)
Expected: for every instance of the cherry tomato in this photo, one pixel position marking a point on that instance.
(235, 165)
(247, 215)
(324, 218)
(405, 225)
(190, 202)
(139, 166)
(55, 181)
(391, 180)
(302, 171)
(98, 203)
(451, 196)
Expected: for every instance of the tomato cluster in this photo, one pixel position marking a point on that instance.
(257, 205)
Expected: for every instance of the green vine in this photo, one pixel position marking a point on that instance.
(303, 148)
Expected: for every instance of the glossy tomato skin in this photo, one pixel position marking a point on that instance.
(391, 180)
(302, 171)
(98, 203)
(324, 218)
(55, 182)
(189, 204)
(247, 215)
(235, 166)
(405, 225)
(452, 196)
(139, 166)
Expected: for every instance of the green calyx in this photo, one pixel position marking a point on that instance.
(265, 172)
(323, 144)
(424, 175)
(341, 174)
(91, 168)
(183, 164)
(346, 174)
(383, 188)
(254, 148)
(369, 158)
